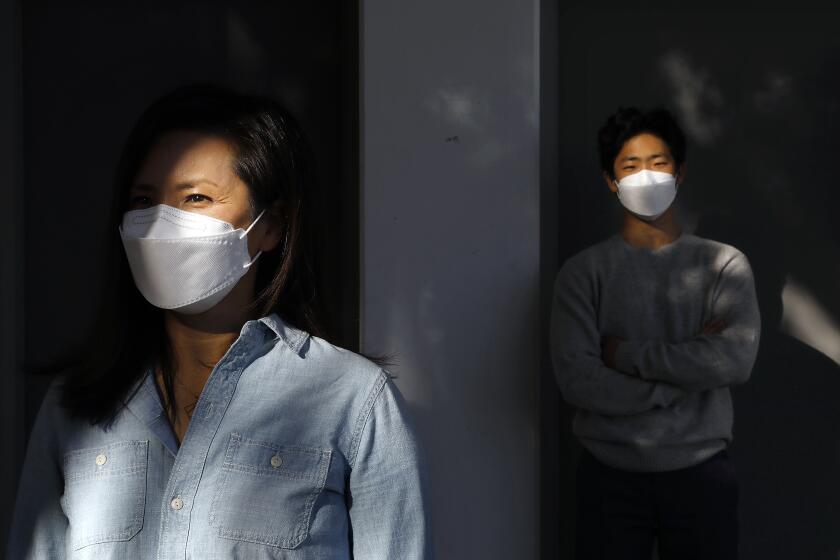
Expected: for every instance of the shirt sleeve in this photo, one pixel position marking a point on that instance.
(386, 498)
(575, 340)
(39, 525)
(706, 361)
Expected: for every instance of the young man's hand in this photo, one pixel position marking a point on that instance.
(609, 344)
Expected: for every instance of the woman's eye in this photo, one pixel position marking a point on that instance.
(140, 201)
(197, 198)
(628, 168)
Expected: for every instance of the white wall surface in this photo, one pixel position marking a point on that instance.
(450, 252)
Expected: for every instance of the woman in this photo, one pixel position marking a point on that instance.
(209, 421)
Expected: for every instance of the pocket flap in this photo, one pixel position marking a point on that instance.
(105, 492)
(270, 459)
(116, 459)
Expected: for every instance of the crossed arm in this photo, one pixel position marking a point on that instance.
(585, 381)
(721, 355)
(612, 376)
(610, 344)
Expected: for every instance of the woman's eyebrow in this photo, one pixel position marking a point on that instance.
(143, 187)
(191, 184)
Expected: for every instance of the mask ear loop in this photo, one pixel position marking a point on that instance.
(252, 261)
(244, 233)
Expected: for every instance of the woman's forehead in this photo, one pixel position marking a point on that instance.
(187, 158)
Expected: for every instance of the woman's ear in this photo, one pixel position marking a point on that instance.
(274, 230)
(610, 182)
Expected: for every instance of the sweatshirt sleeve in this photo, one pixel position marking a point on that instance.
(575, 341)
(39, 525)
(706, 361)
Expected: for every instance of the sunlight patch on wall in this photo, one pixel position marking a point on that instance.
(460, 106)
(473, 121)
(807, 321)
(696, 97)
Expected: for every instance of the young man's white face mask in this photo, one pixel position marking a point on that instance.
(184, 261)
(647, 194)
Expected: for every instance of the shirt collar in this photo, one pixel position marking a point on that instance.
(146, 406)
(292, 337)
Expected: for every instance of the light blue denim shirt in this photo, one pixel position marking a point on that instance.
(296, 449)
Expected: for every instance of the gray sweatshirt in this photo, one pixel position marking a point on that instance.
(667, 403)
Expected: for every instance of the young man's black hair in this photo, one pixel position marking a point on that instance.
(629, 122)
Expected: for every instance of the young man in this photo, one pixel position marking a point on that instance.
(650, 328)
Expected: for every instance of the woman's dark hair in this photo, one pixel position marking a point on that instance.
(630, 122)
(270, 158)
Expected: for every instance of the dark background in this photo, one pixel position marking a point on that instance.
(87, 72)
(757, 93)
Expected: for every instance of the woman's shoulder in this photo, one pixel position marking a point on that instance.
(311, 348)
(52, 409)
(324, 380)
(327, 356)
(317, 361)
(54, 428)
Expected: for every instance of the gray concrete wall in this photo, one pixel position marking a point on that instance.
(451, 252)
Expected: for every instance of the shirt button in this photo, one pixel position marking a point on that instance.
(276, 461)
(177, 503)
(100, 459)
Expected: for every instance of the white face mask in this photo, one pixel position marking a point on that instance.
(184, 261)
(647, 194)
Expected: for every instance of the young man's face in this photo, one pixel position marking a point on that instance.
(643, 151)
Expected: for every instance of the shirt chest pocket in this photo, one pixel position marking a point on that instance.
(105, 492)
(266, 491)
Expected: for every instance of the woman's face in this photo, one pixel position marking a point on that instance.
(194, 172)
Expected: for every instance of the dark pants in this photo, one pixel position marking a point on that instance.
(693, 512)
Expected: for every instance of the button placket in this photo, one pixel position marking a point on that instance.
(191, 457)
